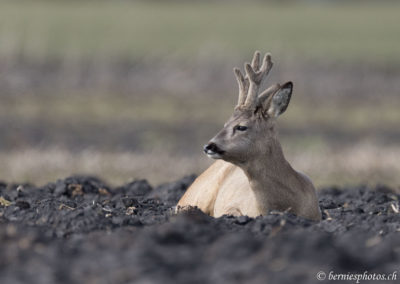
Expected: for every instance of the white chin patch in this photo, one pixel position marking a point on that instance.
(213, 155)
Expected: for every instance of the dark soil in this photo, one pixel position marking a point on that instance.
(79, 230)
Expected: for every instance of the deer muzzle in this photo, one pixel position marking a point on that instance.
(213, 151)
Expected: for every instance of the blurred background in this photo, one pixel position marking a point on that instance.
(133, 89)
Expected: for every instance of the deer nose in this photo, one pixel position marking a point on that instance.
(211, 147)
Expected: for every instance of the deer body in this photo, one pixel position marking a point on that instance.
(225, 189)
(252, 176)
(222, 189)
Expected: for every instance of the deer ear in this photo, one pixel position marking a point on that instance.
(279, 101)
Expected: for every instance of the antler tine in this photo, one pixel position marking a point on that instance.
(243, 86)
(255, 63)
(266, 65)
(267, 93)
(253, 86)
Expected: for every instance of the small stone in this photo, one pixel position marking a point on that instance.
(23, 204)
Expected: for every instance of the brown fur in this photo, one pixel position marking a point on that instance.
(252, 176)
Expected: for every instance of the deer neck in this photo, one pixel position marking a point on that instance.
(271, 178)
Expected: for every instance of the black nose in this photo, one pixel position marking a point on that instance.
(211, 147)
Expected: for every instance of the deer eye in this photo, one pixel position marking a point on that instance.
(240, 128)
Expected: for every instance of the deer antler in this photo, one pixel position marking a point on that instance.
(243, 86)
(250, 83)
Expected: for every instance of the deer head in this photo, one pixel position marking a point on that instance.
(250, 131)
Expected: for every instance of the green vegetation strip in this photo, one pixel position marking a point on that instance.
(131, 29)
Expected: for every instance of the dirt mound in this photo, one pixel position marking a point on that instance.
(79, 230)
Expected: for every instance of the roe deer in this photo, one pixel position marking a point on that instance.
(252, 176)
